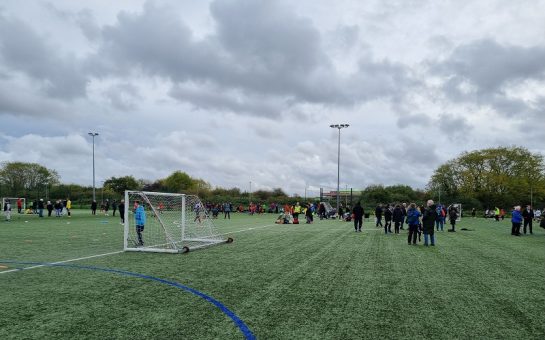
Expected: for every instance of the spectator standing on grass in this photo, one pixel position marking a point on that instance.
(413, 220)
(429, 217)
(19, 205)
(106, 207)
(49, 207)
(7, 210)
(528, 215)
(227, 210)
(58, 208)
(94, 207)
(398, 218)
(453, 216)
(516, 221)
(114, 207)
(378, 215)
(473, 212)
(404, 211)
(68, 206)
(308, 214)
(122, 211)
(41, 207)
(140, 221)
(387, 220)
(358, 216)
(440, 219)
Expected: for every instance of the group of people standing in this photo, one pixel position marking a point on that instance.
(525, 216)
(399, 215)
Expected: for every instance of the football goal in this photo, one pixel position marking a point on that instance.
(13, 202)
(169, 223)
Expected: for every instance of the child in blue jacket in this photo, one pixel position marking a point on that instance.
(140, 221)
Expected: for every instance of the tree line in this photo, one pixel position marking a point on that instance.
(481, 179)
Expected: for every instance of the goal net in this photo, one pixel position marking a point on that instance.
(14, 202)
(164, 222)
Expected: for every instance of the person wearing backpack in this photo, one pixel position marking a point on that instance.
(413, 221)
(440, 220)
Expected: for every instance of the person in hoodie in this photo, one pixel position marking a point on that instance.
(516, 220)
(413, 221)
(429, 216)
(387, 220)
(398, 218)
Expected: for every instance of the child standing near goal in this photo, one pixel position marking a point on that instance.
(140, 221)
(7, 210)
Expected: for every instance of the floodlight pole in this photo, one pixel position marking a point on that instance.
(250, 195)
(338, 127)
(93, 134)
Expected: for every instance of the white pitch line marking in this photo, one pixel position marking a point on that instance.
(112, 253)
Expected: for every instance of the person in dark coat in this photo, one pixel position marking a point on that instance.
(429, 216)
(122, 211)
(358, 216)
(114, 207)
(49, 208)
(398, 218)
(528, 215)
(387, 220)
(404, 211)
(378, 215)
(41, 207)
(413, 221)
(94, 207)
(453, 215)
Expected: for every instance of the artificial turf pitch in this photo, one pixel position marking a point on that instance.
(319, 281)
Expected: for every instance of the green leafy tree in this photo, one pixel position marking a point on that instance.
(119, 184)
(495, 177)
(21, 179)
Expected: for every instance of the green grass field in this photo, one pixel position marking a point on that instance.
(319, 281)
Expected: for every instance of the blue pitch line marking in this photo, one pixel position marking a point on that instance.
(238, 322)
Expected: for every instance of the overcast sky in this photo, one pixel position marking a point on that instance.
(233, 91)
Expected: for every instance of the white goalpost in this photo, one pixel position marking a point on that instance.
(13, 203)
(174, 223)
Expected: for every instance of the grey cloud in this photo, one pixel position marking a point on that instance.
(417, 119)
(24, 50)
(122, 96)
(454, 126)
(482, 71)
(489, 65)
(88, 25)
(259, 49)
(212, 98)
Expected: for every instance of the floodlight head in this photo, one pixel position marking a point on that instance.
(332, 126)
(93, 134)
